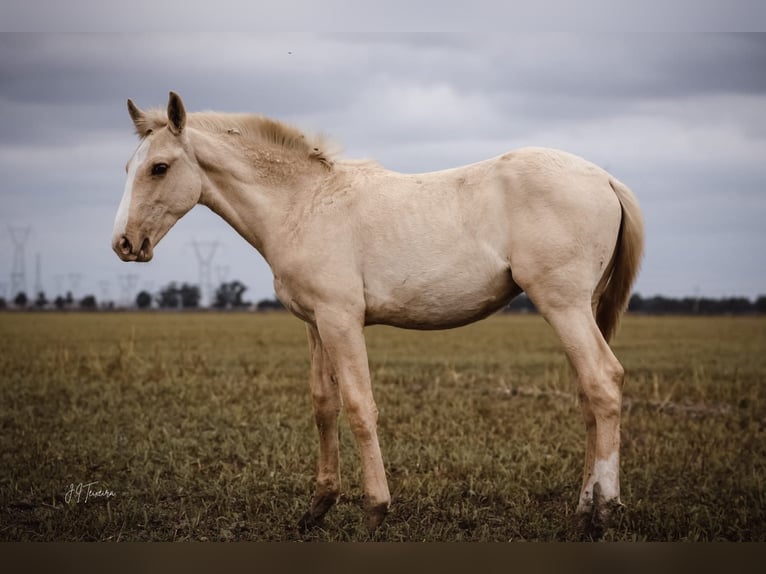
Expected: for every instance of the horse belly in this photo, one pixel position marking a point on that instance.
(439, 298)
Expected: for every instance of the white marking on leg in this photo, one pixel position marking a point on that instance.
(606, 472)
(121, 219)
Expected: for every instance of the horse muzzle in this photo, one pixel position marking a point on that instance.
(128, 250)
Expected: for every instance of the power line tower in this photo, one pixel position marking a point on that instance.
(59, 279)
(128, 283)
(205, 250)
(19, 236)
(104, 287)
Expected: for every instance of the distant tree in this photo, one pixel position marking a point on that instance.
(659, 305)
(169, 297)
(21, 300)
(41, 300)
(172, 296)
(760, 304)
(270, 305)
(229, 295)
(190, 296)
(69, 299)
(636, 303)
(143, 300)
(59, 302)
(88, 302)
(738, 305)
(3, 303)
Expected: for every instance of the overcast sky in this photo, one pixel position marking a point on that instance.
(680, 118)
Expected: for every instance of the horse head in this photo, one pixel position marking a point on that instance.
(163, 181)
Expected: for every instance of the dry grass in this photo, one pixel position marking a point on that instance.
(201, 425)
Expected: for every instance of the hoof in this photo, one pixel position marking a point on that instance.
(599, 515)
(314, 518)
(308, 522)
(375, 516)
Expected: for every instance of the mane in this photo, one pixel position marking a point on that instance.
(255, 128)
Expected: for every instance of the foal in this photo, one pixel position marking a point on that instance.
(352, 244)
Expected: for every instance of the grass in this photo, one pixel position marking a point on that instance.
(201, 426)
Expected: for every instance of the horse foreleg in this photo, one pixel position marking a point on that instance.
(343, 340)
(326, 401)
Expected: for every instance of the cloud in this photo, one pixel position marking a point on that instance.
(679, 117)
(424, 16)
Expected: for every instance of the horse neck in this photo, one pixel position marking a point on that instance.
(252, 188)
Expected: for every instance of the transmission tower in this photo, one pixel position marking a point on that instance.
(19, 236)
(104, 287)
(59, 279)
(205, 251)
(128, 284)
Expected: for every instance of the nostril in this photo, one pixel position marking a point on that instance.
(125, 246)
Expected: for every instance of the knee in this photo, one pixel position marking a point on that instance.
(325, 405)
(326, 412)
(362, 417)
(326, 402)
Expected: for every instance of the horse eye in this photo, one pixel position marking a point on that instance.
(159, 169)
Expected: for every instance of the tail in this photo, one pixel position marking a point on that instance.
(625, 262)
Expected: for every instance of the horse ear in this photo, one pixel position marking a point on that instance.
(139, 119)
(176, 113)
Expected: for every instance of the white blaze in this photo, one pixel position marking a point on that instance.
(121, 220)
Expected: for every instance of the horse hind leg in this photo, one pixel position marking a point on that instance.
(599, 379)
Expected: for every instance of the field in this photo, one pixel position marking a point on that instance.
(199, 427)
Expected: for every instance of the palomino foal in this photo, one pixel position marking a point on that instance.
(352, 244)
